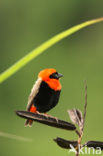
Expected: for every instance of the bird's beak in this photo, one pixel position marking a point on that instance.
(59, 75)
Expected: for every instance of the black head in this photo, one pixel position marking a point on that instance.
(56, 75)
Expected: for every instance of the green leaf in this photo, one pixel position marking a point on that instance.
(40, 49)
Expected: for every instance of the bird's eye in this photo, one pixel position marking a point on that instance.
(54, 76)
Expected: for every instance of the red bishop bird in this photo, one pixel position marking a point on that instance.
(45, 92)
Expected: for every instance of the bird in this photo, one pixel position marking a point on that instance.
(45, 93)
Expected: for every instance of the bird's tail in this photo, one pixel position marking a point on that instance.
(30, 122)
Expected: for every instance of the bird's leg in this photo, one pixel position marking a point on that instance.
(47, 115)
(39, 113)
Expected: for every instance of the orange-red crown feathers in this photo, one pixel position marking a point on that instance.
(45, 76)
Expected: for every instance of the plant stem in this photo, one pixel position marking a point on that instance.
(85, 105)
(80, 134)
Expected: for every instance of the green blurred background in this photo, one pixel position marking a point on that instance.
(23, 26)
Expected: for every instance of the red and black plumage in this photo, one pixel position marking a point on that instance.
(45, 92)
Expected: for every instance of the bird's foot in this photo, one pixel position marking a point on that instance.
(47, 115)
(39, 113)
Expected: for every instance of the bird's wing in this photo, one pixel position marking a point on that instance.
(33, 93)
